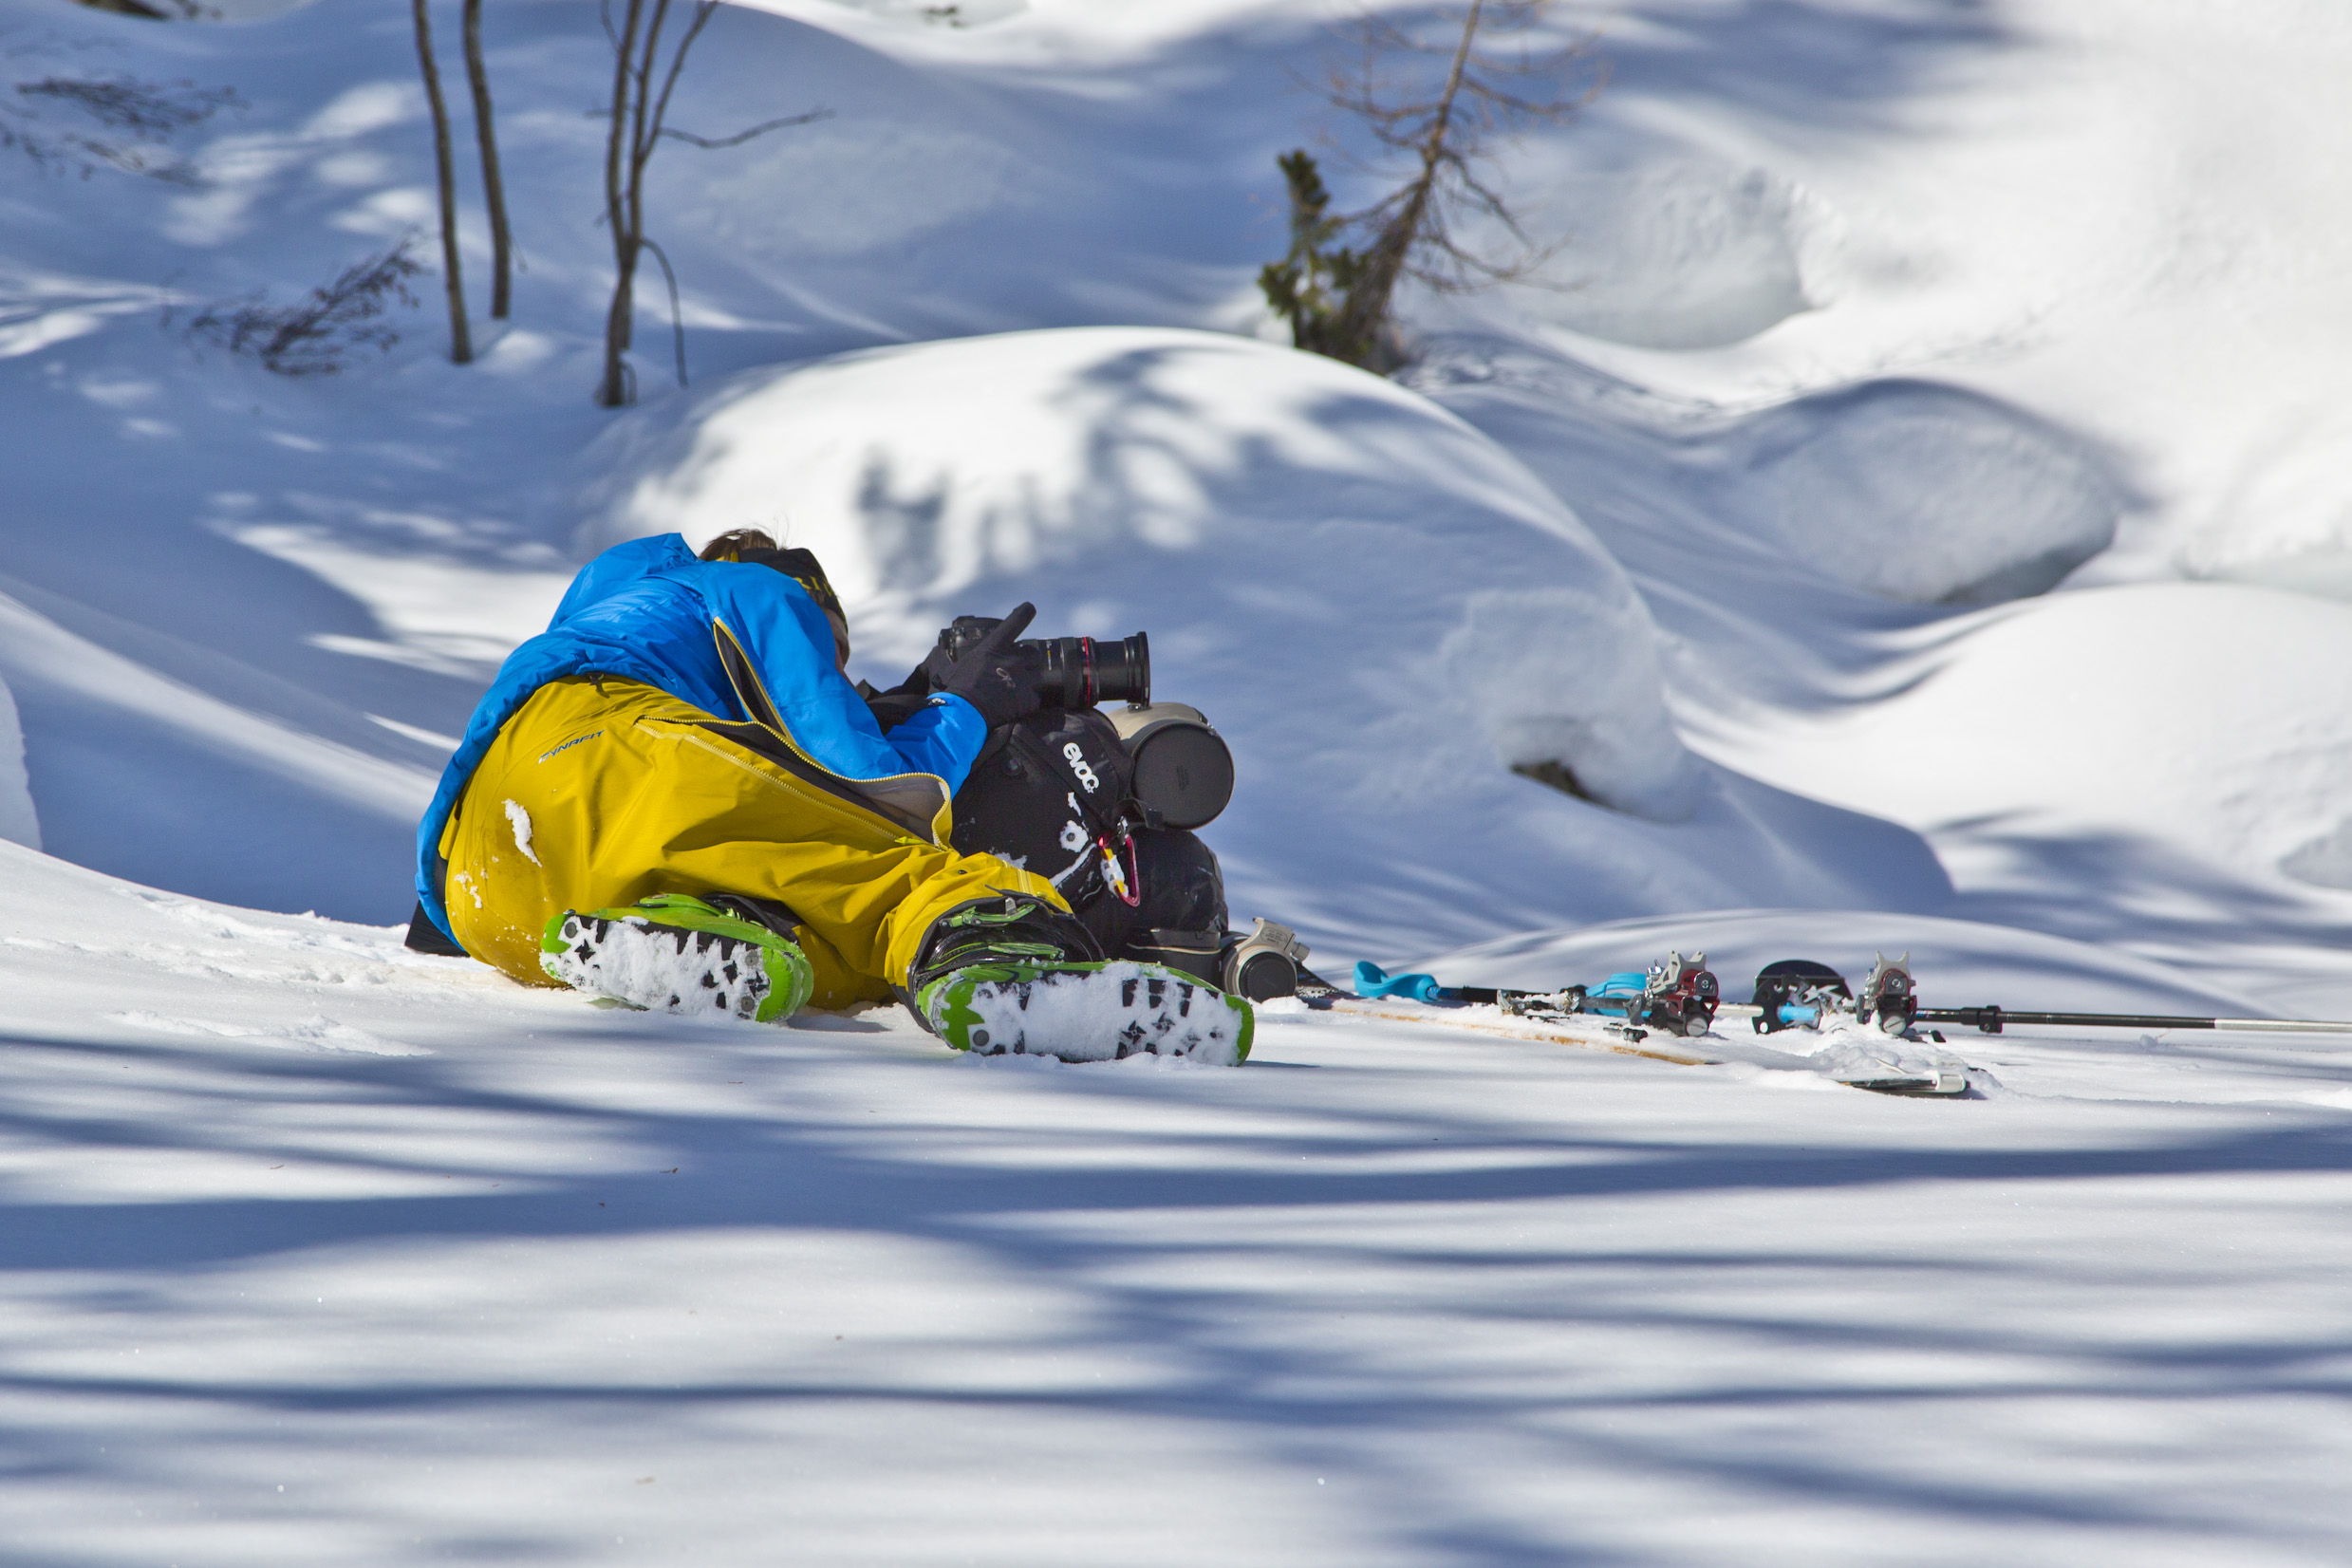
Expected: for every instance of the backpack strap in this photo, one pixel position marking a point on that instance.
(1103, 816)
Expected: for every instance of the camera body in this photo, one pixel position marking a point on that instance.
(1078, 672)
(1176, 768)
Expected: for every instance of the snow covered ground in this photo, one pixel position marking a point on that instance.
(1914, 513)
(320, 1251)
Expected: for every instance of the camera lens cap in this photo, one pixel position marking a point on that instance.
(1183, 768)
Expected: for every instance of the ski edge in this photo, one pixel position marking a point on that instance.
(1356, 1007)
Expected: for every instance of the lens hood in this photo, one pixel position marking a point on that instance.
(1183, 770)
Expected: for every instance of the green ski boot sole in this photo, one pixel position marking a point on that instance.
(1087, 1013)
(674, 954)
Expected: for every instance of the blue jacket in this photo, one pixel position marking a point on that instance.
(648, 610)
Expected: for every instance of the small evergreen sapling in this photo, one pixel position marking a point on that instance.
(1340, 301)
(1307, 287)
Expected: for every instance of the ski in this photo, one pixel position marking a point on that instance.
(1650, 1015)
(1486, 1019)
(1867, 1036)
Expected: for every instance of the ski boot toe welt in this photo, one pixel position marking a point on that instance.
(672, 954)
(1086, 1013)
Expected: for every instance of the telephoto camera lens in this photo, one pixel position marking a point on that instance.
(1080, 672)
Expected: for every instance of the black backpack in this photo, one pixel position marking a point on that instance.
(1049, 793)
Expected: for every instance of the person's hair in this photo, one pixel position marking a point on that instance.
(750, 547)
(734, 544)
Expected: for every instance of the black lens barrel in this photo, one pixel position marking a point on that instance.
(1123, 670)
(1078, 672)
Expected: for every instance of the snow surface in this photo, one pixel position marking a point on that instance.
(1913, 508)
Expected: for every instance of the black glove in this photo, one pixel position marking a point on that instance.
(900, 702)
(995, 677)
(918, 682)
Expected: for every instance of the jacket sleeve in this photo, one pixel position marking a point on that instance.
(625, 563)
(941, 738)
(788, 641)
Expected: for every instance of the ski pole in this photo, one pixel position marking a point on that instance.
(1990, 1020)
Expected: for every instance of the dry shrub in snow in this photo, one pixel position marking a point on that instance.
(135, 119)
(310, 337)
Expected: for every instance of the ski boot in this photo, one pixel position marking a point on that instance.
(1014, 975)
(723, 956)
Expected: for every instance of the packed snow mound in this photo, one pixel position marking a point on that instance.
(1929, 494)
(2287, 523)
(1314, 550)
(19, 822)
(2094, 715)
(1676, 254)
(141, 773)
(310, 582)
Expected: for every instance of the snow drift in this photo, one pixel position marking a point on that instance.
(2288, 521)
(1927, 494)
(2187, 744)
(1269, 515)
(20, 822)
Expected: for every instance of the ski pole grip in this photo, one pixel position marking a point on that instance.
(1372, 980)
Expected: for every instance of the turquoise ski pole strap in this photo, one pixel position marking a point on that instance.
(1372, 980)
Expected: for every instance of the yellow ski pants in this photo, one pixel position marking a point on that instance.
(599, 792)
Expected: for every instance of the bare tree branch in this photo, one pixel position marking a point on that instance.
(677, 322)
(460, 338)
(639, 113)
(311, 336)
(135, 119)
(704, 12)
(494, 181)
(741, 136)
(617, 388)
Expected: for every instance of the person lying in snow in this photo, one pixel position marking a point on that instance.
(674, 797)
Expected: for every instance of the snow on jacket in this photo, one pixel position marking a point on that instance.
(741, 641)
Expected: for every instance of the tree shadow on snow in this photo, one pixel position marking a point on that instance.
(1287, 1193)
(2125, 890)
